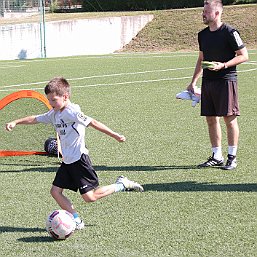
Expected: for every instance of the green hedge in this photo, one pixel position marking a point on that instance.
(139, 5)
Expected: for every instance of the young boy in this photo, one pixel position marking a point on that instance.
(76, 171)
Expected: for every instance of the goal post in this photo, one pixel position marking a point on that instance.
(24, 94)
(24, 140)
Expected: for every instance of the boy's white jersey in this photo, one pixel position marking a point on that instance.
(70, 126)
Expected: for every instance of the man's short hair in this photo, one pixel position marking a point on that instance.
(217, 3)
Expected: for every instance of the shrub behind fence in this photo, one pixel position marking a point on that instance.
(141, 5)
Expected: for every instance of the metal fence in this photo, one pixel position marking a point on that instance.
(8, 7)
(9, 33)
(11, 7)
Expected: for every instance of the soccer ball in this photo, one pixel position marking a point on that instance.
(60, 224)
(51, 146)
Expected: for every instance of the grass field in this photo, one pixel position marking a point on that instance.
(184, 211)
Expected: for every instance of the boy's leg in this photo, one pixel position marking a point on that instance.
(63, 201)
(98, 193)
(65, 204)
(122, 183)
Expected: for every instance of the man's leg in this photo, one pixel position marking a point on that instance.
(232, 137)
(215, 136)
(214, 129)
(232, 130)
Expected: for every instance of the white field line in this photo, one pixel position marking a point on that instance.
(242, 71)
(13, 87)
(100, 76)
(134, 82)
(116, 55)
(119, 55)
(11, 66)
(108, 84)
(251, 62)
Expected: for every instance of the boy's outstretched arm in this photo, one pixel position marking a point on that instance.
(27, 120)
(101, 127)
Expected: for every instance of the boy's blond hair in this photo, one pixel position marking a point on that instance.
(59, 86)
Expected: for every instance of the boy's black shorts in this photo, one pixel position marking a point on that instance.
(78, 175)
(219, 98)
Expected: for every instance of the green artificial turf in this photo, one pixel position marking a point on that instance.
(184, 211)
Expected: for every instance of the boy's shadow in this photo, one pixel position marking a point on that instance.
(35, 239)
(194, 186)
(4, 229)
(31, 239)
(143, 168)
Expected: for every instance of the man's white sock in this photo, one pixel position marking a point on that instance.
(232, 150)
(217, 153)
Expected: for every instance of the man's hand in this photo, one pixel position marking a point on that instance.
(191, 87)
(218, 66)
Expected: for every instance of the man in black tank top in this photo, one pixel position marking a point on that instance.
(221, 45)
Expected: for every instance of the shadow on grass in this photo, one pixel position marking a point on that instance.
(193, 186)
(35, 239)
(102, 168)
(38, 169)
(17, 229)
(143, 168)
(31, 239)
(4, 229)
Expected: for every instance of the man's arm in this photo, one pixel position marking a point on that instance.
(27, 120)
(103, 128)
(241, 56)
(197, 73)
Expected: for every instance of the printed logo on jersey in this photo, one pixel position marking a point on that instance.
(81, 116)
(237, 38)
(61, 126)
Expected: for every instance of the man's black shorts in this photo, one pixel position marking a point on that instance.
(78, 175)
(219, 98)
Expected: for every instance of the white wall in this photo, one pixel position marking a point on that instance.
(67, 38)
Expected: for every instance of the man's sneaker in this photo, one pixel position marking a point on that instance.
(129, 184)
(211, 162)
(188, 95)
(231, 163)
(79, 224)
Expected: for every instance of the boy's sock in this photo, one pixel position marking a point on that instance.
(119, 187)
(75, 215)
(232, 150)
(78, 221)
(217, 153)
